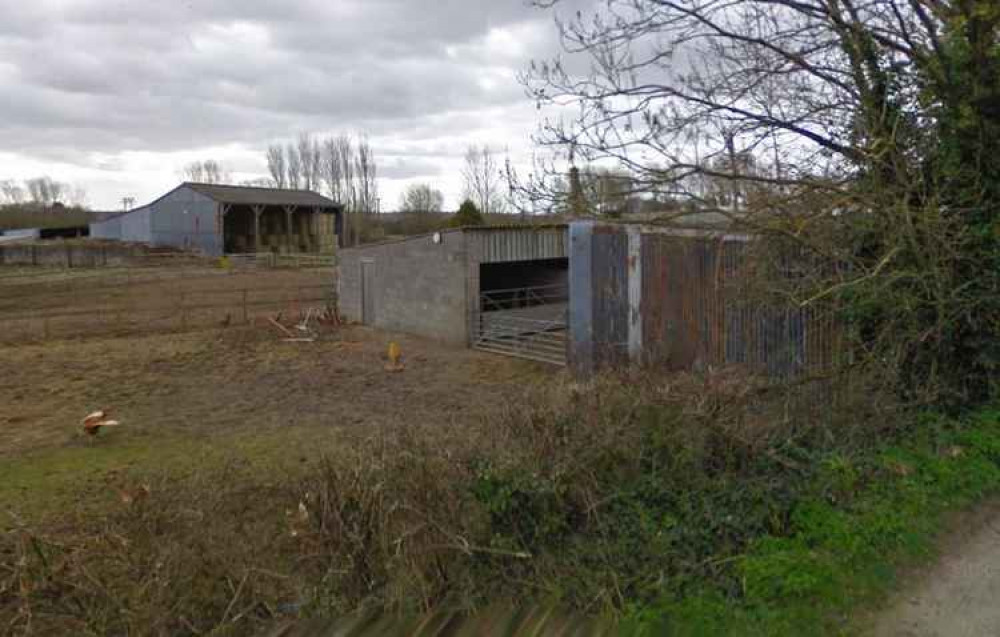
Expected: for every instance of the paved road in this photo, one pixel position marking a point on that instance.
(960, 595)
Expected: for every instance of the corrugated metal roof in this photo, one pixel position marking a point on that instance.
(249, 196)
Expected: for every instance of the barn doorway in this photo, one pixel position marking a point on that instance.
(522, 309)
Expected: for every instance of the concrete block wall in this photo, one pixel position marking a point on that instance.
(420, 287)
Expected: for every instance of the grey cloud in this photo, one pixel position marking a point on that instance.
(95, 77)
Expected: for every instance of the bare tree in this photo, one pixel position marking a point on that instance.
(276, 165)
(309, 159)
(293, 167)
(332, 172)
(45, 190)
(421, 198)
(345, 150)
(483, 179)
(13, 192)
(344, 169)
(208, 171)
(839, 127)
(365, 173)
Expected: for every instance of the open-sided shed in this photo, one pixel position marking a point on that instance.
(495, 288)
(219, 219)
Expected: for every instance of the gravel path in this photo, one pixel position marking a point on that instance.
(960, 594)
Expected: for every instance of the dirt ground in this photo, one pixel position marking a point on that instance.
(59, 290)
(47, 304)
(959, 595)
(186, 399)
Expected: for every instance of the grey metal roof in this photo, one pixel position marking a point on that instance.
(249, 195)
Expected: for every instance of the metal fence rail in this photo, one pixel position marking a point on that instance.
(187, 310)
(524, 322)
(275, 260)
(523, 297)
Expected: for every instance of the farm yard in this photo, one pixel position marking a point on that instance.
(212, 390)
(266, 474)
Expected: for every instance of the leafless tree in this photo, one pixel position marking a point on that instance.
(12, 191)
(293, 170)
(208, 171)
(840, 127)
(331, 170)
(309, 159)
(343, 168)
(276, 165)
(483, 179)
(45, 190)
(345, 151)
(421, 198)
(366, 174)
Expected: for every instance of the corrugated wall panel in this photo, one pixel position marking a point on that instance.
(609, 278)
(500, 245)
(682, 304)
(694, 308)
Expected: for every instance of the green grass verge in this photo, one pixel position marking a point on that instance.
(868, 517)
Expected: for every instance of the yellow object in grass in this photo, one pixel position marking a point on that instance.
(394, 354)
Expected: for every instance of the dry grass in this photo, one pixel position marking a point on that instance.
(233, 390)
(255, 480)
(219, 428)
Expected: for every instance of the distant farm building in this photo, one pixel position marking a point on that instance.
(216, 219)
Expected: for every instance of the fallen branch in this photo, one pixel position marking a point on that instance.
(281, 327)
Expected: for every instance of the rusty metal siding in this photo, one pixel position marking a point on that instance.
(694, 308)
(681, 301)
(500, 245)
(609, 279)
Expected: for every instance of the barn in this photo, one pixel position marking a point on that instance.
(219, 219)
(593, 295)
(501, 289)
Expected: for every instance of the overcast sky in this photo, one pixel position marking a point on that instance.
(118, 95)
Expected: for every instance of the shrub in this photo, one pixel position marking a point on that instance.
(468, 215)
(625, 494)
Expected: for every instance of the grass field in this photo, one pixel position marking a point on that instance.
(193, 398)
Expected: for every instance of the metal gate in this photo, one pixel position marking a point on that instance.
(524, 322)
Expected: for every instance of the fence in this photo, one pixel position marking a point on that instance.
(119, 313)
(68, 254)
(85, 254)
(275, 260)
